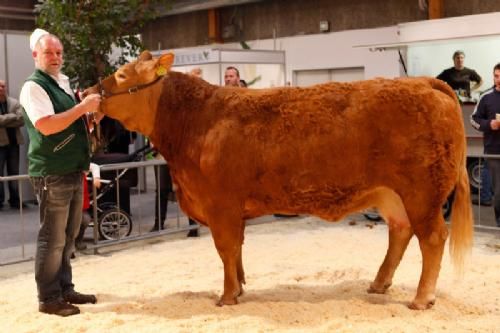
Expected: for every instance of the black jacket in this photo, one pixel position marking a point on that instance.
(486, 110)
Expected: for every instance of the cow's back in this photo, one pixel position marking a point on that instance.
(315, 150)
(312, 149)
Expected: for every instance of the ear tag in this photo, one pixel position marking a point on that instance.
(161, 71)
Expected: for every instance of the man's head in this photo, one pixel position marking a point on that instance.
(196, 72)
(3, 91)
(496, 76)
(458, 59)
(232, 77)
(48, 54)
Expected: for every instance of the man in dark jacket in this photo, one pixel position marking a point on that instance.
(486, 118)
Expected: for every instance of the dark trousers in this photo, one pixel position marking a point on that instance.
(486, 192)
(60, 205)
(163, 189)
(494, 168)
(9, 157)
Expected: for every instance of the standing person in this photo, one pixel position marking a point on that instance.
(484, 118)
(243, 84)
(232, 77)
(58, 155)
(460, 77)
(197, 71)
(11, 120)
(163, 189)
(117, 137)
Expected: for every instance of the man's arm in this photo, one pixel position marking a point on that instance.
(479, 118)
(477, 79)
(60, 121)
(13, 118)
(443, 76)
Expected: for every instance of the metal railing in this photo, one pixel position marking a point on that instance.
(18, 228)
(18, 242)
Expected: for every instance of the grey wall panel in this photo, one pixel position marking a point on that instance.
(2, 56)
(17, 54)
(20, 62)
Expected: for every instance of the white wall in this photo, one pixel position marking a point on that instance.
(334, 50)
(481, 54)
(437, 40)
(337, 50)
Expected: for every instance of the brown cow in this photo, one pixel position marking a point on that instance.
(327, 150)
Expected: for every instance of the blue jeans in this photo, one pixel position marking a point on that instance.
(494, 168)
(486, 193)
(60, 203)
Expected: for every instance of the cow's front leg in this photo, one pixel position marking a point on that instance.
(227, 237)
(399, 237)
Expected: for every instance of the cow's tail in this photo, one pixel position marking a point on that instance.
(462, 224)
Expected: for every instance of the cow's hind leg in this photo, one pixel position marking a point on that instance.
(227, 235)
(239, 268)
(431, 240)
(394, 212)
(399, 237)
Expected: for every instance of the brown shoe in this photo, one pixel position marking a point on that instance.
(75, 297)
(58, 308)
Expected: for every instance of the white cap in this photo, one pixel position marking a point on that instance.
(35, 36)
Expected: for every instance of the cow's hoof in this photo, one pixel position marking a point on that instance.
(227, 301)
(421, 305)
(375, 289)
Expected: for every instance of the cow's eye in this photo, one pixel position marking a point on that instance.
(121, 76)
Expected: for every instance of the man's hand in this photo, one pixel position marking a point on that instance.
(90, 103)
(60, 121)
(495, 124)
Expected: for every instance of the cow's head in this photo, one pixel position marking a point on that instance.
(131, 94)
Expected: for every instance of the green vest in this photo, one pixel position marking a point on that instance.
(63, 152)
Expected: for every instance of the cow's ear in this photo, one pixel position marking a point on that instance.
(164, 63)
(145, 55)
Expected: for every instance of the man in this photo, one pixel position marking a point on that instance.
(231, 77)
(460, 77)
(58, 155)
(486, 119)
(11, 120)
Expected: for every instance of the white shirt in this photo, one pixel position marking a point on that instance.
(35, 100)
(95, 170)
